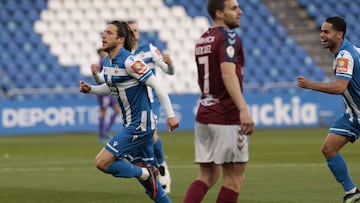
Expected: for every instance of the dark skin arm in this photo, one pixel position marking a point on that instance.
(337, 87)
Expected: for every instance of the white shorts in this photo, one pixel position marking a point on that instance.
(220, 144)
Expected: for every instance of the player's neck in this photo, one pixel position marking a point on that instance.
(112, 53)
(336, 48)
(219, 24)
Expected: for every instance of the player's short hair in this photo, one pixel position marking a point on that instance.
(338, 23)
(123, 30)
(213, 5)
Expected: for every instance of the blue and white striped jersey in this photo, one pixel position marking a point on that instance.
(347, 67)
(126, 75)
(153, 58)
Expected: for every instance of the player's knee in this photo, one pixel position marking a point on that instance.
(209, 180)
(328, 151)
(100, 164)
(234, 181)
(212, 181)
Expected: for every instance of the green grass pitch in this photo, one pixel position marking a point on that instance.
(286, 166)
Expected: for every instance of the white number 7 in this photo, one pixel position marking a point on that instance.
(204, 60)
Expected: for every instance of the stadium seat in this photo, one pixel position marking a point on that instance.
(36, 29)
(10, 6)
(40, 5)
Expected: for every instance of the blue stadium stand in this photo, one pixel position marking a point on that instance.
(347, 9)
(272, 55)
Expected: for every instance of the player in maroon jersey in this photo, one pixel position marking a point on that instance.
(222, 120)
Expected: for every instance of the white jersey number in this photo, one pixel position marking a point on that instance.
(204, 60)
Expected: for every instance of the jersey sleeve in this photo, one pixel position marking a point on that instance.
(158, 58)
(344, 65)
(136, 68)
(228, 47)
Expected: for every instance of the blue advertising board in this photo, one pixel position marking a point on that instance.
(81, 115)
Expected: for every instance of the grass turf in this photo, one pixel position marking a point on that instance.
(285, 165)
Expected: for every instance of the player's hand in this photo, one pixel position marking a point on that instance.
(167, 59)
(303, 82)
(246, 123)
(172, 123)
(94, 68)
(84, 87)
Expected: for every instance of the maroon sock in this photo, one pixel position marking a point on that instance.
(227, 195)
(196, 192)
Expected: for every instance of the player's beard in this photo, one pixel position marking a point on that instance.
(232, 24)
(110, 47)
(330, 44)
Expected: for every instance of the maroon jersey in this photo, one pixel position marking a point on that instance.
(217, 45)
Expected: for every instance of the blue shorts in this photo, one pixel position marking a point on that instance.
(343, 126)
(106, 101)
(132, 147)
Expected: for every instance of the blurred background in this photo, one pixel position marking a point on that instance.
(47, 46)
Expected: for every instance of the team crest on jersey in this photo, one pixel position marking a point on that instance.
(342, 65)
(116, 69)
(131, 58)
(230, 51)
(138, 67)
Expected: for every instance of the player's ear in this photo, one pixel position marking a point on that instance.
(219, 14)
(119, 39)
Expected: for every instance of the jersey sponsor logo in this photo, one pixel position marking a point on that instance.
(206, 40)
(230, 51)
(342, 65)
(138, 67)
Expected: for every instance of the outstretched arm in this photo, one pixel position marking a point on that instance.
(337, 87)
(102, 89)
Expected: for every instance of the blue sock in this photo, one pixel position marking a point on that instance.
(158, 151)
(339, 169)
(161, 197)
(124, 169)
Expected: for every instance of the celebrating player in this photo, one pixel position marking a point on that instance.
(127, 77)
(347, 127)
